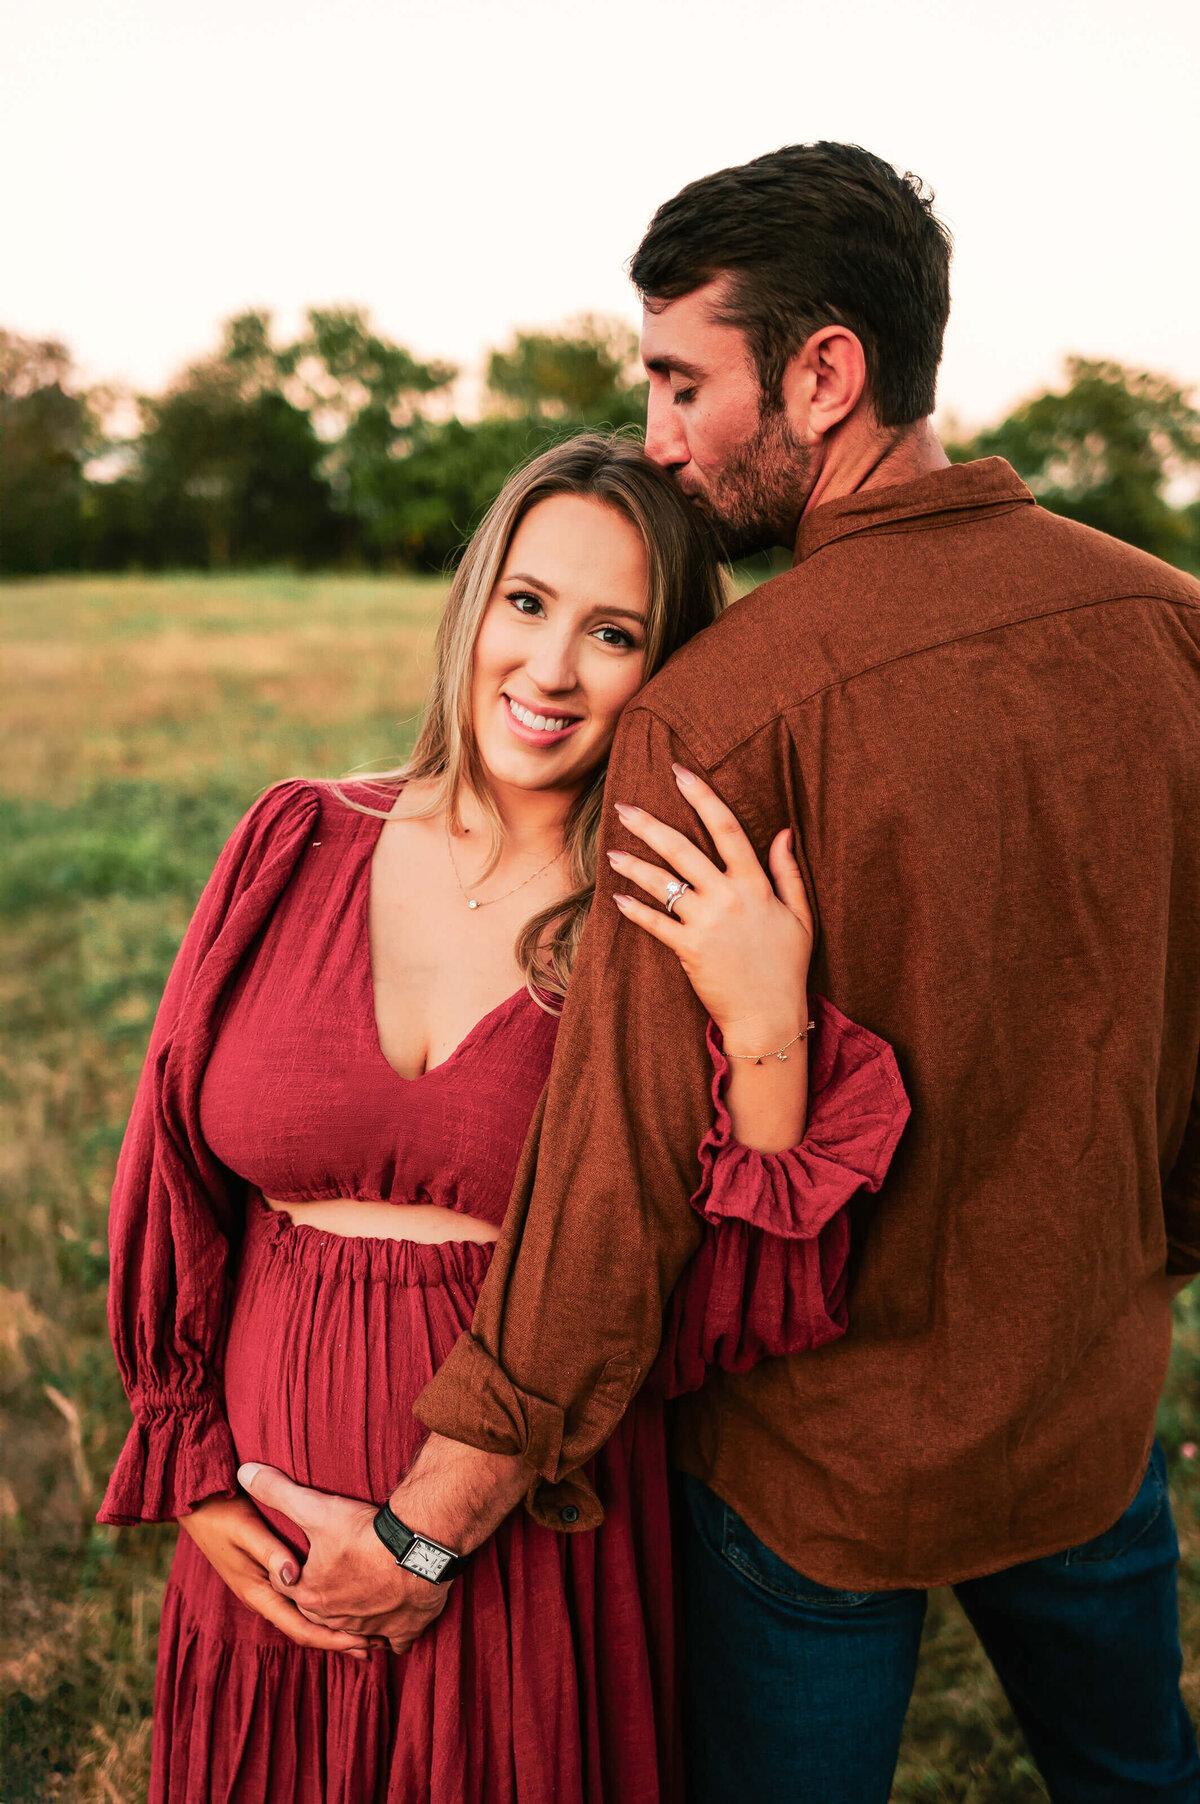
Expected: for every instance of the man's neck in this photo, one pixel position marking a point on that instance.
(876, 459)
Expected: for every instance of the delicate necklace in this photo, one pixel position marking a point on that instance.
(472, 901)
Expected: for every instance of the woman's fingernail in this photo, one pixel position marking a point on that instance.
(248, 1473)
(616, 858)
(288, 1573)
(624, 809)
(683, 775)
(622, 902)
(791, 840)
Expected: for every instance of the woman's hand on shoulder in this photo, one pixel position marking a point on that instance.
(744, 937)
(237, 1541)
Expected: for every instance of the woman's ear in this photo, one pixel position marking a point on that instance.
(824, 382)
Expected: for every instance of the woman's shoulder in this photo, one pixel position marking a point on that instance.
(281, 807)
(300, 802)
(272, 830)
(272, 835)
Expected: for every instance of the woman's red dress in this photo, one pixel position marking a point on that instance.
(550, 1676)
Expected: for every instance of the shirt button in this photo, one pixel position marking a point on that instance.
(569, 1513)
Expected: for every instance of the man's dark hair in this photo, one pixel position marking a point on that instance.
(814, 235)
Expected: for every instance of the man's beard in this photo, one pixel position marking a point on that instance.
(759, 496)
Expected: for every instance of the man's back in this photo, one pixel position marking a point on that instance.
(985, 723)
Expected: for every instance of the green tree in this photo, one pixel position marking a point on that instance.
(346, 369)
(588, 372)
(420, 508)
(364, 395)
(1104, 451)
(421, 485)
(229, 468)
(47, 433)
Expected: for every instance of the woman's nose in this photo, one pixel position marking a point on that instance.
(553, 666)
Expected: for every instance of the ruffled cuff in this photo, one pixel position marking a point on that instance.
(857, 1110)
(176, 1454)
(769, 1278)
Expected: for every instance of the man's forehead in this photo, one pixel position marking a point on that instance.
(686, 336)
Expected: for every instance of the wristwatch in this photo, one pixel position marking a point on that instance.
(428, 1559)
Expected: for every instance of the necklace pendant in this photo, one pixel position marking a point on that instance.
(471, 902)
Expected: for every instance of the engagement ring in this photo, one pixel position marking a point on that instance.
(675, 889)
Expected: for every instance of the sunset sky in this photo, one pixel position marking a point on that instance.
(464, 166)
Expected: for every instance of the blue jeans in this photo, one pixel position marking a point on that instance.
(797, 1694)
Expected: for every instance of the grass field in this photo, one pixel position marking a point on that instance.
(139, 719)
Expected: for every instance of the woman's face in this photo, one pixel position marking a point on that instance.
(562, 645)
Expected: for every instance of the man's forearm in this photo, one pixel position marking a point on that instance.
(459, 1495)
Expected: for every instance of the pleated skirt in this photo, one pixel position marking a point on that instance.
(548, 1678)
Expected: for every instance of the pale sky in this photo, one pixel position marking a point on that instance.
(465, 166)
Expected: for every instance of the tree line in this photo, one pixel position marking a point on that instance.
(340, 448)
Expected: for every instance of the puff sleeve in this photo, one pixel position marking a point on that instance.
(175, 1211)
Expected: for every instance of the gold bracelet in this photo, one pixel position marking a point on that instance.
(781, 1055)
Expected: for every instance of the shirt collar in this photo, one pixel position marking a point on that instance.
(988, 483)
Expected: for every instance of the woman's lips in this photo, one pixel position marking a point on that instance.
(537, 735)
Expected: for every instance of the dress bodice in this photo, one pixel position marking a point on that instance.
(297, 1097)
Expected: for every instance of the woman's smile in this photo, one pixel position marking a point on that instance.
(538, 726)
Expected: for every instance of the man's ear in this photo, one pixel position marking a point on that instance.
(825, 381)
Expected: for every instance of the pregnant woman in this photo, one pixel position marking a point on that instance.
(348, 1056)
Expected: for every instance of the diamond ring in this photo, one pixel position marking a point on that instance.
(675, 889)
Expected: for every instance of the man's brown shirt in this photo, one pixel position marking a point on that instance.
(983, 722)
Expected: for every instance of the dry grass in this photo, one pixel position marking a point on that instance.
(138, 719)
(230, 678)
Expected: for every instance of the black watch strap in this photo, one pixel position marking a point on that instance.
(417, 1553)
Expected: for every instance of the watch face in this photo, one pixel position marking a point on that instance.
(427, 1560)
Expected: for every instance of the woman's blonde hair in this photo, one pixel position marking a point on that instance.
(686, 592)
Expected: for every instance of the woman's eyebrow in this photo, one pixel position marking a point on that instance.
(535, 582)
(624, 613)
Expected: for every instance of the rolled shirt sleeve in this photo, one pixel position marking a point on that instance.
(600, 1225)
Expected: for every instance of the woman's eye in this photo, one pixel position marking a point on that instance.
(527, 604)
(680, 397)
(612, 635)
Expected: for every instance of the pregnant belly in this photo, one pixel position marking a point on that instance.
(426, 1223)
(330, 1340)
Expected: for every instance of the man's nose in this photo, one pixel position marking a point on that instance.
(666, 442)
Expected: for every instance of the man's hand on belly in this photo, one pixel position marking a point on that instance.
(248, 1555)
(350, 1582)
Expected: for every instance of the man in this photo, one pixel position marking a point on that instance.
(983, 724)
